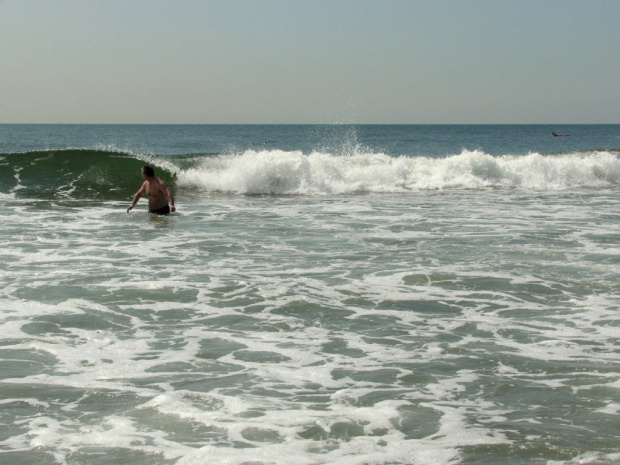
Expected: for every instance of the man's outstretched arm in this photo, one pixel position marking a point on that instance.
(137, 197)
(170, 198)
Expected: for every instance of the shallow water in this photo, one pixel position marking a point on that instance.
(461, 325)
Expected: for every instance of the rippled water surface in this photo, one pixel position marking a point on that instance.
(381, 323)
(366, 329)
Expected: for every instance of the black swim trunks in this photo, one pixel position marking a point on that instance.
(161, 211)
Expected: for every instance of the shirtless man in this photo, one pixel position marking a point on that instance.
(158, 193)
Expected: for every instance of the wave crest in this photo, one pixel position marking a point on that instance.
(73, 174)
(115, 175)
(279, 172)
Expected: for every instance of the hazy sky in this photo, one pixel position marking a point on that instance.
(310, 61)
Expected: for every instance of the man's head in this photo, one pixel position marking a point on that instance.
(148, 171)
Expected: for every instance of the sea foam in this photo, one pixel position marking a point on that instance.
(281, 172)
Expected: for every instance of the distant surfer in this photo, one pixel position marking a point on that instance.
(555, 134)
(161, 201)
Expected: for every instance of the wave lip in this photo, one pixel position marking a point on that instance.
(280, 172)
(98, 174)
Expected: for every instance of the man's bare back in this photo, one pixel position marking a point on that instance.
(155, 189)
(161, 200)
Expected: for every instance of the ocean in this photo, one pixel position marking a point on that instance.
(324, 294)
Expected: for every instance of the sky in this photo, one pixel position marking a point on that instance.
(310, 61)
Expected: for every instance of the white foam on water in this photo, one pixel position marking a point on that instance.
(589, 458)
(377, 329)
(280, 172)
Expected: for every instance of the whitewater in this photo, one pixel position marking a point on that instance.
(278, 172)
(323, 295)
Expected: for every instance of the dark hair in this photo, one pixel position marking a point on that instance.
(148, 171)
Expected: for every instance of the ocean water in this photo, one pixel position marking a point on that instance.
(346, 295)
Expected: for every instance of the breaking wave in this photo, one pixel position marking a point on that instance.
(279, 172)
(115, 175)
